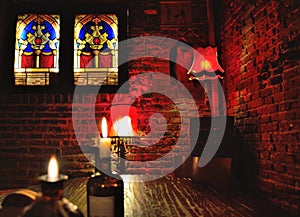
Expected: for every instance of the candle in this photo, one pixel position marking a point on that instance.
(52, 182)
(104, 141)
(53, 170)
(51, 202)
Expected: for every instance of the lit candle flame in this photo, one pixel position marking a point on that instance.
(104, 127)
(104, 141)
(53, 170)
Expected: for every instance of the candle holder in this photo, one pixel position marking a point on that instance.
(116, 148)
(52, 189)
(50, 202)
(121, 147)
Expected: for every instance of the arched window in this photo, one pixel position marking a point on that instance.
(96, 49)
(36, 48)
(60, 46)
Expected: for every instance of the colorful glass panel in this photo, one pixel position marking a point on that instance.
(96, 49)
(36, 49)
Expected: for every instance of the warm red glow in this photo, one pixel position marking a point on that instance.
(206, 65)
(123, 120)
(53, 169)
(205, 59)
(104, 128)
(123, 127)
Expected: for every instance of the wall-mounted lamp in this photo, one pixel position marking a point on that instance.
(205, 64)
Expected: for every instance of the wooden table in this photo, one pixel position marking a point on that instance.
(171, 196)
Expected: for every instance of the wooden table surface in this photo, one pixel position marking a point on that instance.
(171, 196)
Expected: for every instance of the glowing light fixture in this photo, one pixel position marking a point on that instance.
(205, 64)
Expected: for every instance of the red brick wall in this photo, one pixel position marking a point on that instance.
(33, 126)
(259, 44)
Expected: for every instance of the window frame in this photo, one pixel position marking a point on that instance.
(63, 81)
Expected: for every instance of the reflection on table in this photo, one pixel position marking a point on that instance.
(172, 196)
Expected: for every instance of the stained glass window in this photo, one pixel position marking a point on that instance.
(96, 49)
(36, 49)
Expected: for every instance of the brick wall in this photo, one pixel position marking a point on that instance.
(259, 44)
(33, 126)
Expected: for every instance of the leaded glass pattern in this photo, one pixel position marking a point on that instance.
(36, 49)
(96, 49)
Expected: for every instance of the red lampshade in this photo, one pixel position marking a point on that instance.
(205, 64)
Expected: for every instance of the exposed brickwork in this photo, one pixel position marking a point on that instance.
(33, 126)
(259, 42)
(258, 52)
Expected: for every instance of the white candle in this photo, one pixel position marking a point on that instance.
(104, 141)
